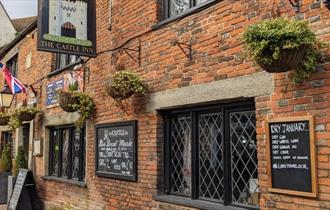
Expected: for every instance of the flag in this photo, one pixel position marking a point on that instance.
(14, 84)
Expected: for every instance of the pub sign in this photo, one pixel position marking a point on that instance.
(67, 26)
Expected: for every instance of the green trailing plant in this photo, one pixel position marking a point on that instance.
(124, 84)
(75, 101)
(5, 161)
(4, 118)
(84, 107)
(267, 40)
(22, 114)
(74, 86)
(20, 161)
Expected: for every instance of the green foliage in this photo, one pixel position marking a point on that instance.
(15, 121)
(266, 40)
(125, 82)
(68, 40)
(74, 86)
(4, 118)
(5, 161)
(84, 107)
(20, 161)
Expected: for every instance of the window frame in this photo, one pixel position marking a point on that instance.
(225, 110)
(82, 153)
(9, 64)
(166, 19)
(58, 57)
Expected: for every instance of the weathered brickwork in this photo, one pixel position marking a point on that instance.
(215, 34)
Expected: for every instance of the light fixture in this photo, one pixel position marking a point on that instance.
(6, 97)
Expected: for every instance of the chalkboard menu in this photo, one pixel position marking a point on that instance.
(24, 195)
(292, 156)
(116, 150)
(20, 182)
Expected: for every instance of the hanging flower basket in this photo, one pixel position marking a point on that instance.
(22, 114)
(4, 119)
(124, 84)
(74, 101)
(283, 44)
(26, 116)
(288, 60)
(66, 101)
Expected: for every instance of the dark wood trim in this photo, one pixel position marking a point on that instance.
(135, 142)
(188, 12)
(310, 119)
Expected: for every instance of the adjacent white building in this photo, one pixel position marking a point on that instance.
(8, 31)
(68, 15)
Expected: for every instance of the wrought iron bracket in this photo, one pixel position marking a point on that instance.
(137, 58)
(184, 47)
(295, 4)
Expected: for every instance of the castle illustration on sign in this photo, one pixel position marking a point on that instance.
(68, 22)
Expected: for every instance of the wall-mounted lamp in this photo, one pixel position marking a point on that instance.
(6, 97)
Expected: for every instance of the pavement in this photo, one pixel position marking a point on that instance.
(3, 207)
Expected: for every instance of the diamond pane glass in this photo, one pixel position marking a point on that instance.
(55, 152)
(75, 156)
(198, 2)
(65, 152)
(178, 6)
(181, 155)
(245, 188)
(211, 157)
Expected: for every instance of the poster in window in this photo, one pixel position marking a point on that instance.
(66, 26)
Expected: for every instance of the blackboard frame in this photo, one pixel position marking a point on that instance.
(310, 119)
(132, 123)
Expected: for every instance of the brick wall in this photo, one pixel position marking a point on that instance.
(217, 55)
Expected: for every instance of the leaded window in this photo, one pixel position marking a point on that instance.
(67, 153)
(174, 8)
(65, 60)
(211, 154)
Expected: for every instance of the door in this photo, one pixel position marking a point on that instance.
(26, 139)
(6, 138)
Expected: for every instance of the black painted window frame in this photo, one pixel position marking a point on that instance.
(12, 65)
(58, 60)
(225, 109)
(82, 153)
(166, 14)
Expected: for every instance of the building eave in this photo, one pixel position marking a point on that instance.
(19, 37)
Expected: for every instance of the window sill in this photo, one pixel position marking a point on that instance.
(184, 14)
(199, 204)
(58, 71)
(68, 181)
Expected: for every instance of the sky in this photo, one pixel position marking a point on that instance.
(20, 8)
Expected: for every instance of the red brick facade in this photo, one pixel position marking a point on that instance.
(215, 34)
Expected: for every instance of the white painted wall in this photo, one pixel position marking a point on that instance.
(62, 11)
(8, 31)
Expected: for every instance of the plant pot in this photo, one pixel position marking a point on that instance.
(65, 99)
(120, 95)
(115, 94)
(26, 116)
(4, 187)
(289, 59)
(4, 120)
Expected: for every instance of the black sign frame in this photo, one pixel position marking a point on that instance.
(134, 125)
(312, 154)
(57, 43)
